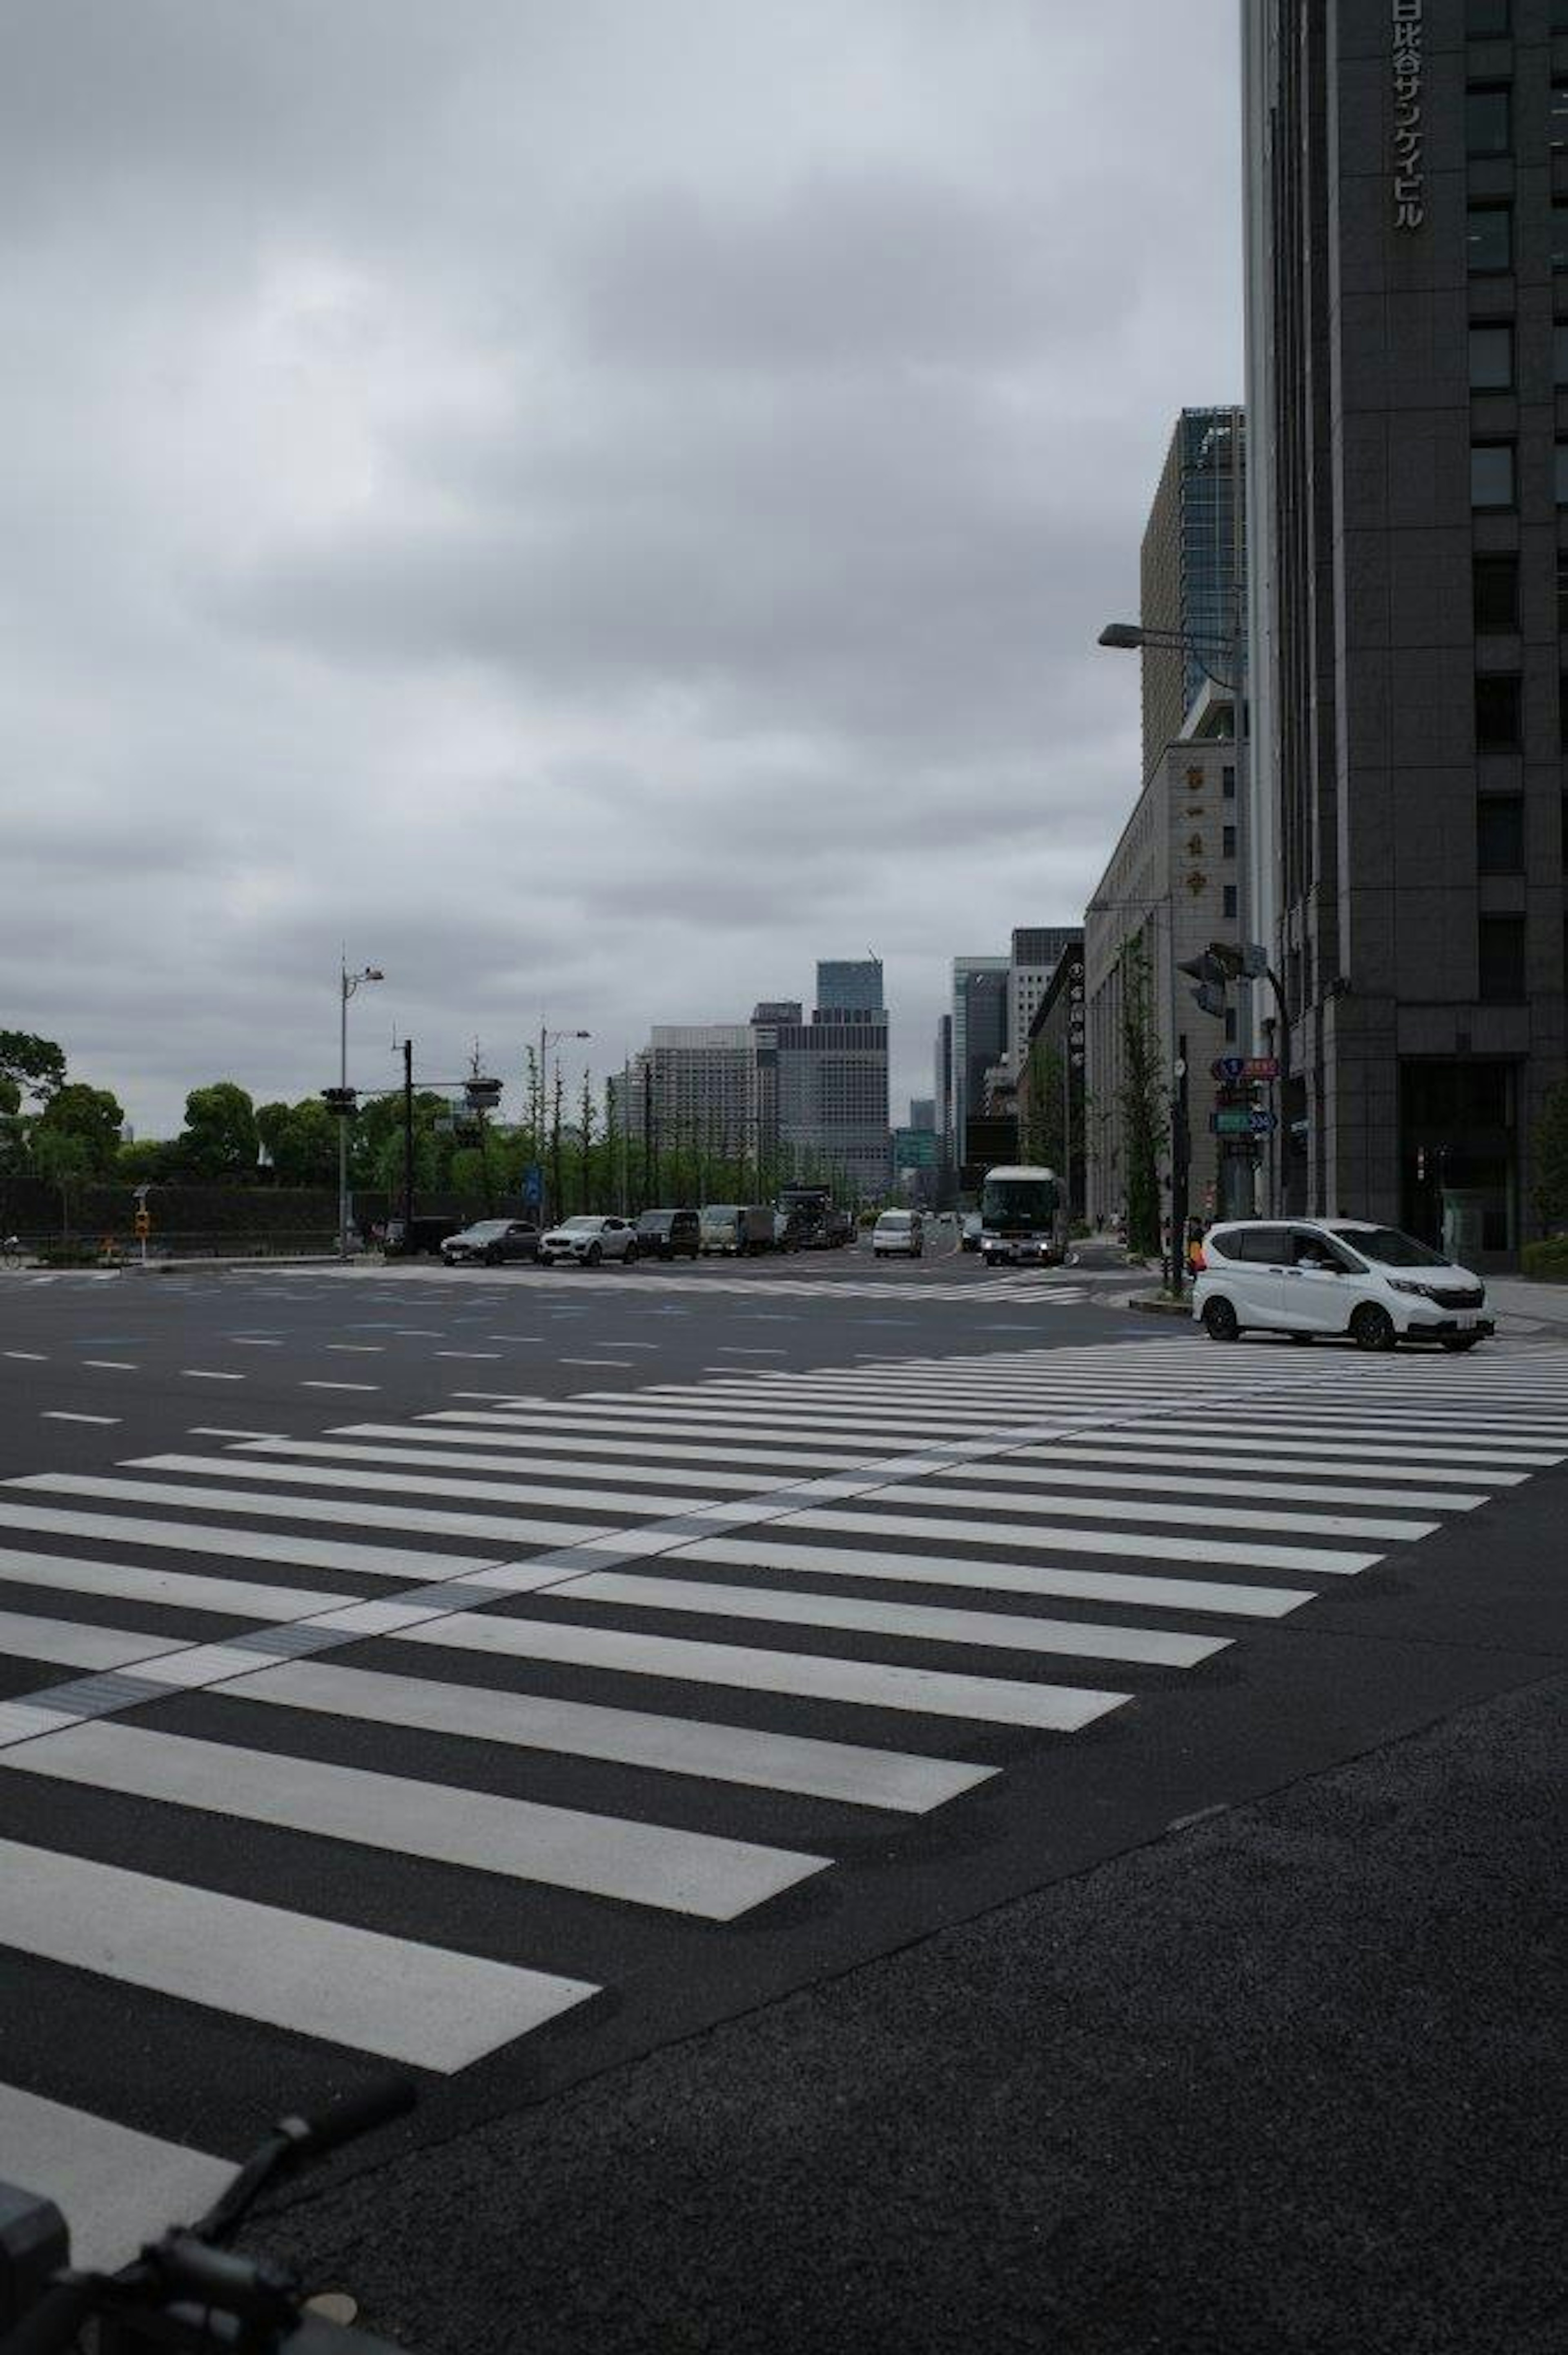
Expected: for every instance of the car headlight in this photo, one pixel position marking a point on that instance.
(1406, 1283)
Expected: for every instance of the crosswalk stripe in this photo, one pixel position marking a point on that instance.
(1072, 1638)
(72, 1643)
(568, 1441)
(401, 1562)
(267, 1507)
(1219, 1463)
(669, 1746)
(601, 1856)
(1052, 1538)
(1161, 1593)
(113, 2185)
(1045, 1482)
(671, 1436)
(389, 1996)
(322, 1476)
(179, 1590)
(868, 1684)
(1135, 1508)
(1388, 1456)
(432, 1459)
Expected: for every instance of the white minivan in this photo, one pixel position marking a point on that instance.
(1344, 1277)
(898, 1231)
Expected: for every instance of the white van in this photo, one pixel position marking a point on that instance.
(1342, 1277)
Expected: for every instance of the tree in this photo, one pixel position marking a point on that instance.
(63, 1159)
(1143, 1105)
(1550, 1143)
(1044, 1138)
(220, 1139)
(91, 1116)
(302, 1141)
(28, 1066)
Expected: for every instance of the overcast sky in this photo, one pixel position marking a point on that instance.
(592, 506)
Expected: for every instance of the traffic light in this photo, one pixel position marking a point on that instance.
(1211, 971)
(345, 1101)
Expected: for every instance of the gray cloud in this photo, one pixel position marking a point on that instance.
(591, 509)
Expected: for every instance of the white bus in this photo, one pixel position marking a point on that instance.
(1024, 1218)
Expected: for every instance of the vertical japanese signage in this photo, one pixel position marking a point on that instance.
(1409, 182)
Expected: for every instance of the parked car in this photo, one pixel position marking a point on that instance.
(1335, 1276)
(404, 1238)
(669, 1234)
(586, 1240)
(739, 1227)
(970, 1232)
(898, 1231)
(491, 1240)
(791, 1232)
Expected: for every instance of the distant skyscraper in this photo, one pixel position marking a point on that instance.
(1193, 571)
(942, 1072)
(1035, 951)
(831, 1092)
(922, 1113)
(849, 986)
(980, 1034)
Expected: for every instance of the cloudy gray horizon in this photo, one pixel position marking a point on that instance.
(588, 509)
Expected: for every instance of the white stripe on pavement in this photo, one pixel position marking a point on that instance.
(1047, 1481)
(1182, 1459)
(868, 1684)
(116, 2188)
(179, 1590)
(669, 1746)
(509, 1531)
(1050, 1538)
(430, 1459)
(404, 1563)
(1114, 1509)
(72, 1643)
(358, 1987)
(602, 1856)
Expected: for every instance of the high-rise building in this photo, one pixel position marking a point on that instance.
(922, 1112)
(942, 1074)
(849, 985)
(697, 1083)
(831, 1096)
(1036, 949)
(1193, 571)
(1407, 366)
(979, 1035)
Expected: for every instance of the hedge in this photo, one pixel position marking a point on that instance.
(1546, 1262)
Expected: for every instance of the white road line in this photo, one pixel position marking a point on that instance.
(1389, 1459)
(63, 1414)
(33, 1356)
(1072, 1638)
(404, 2000)
(1221, 1461)
(1044, 1484)
(340, 1386)
(229, 1431)
(73, 1644)
(565, 1848)
(426, 1459)
(179, 1589)
(117, 2187)
(396, 1484)
(200, 1374)
(669, 1745)
(1012, 1578)
(593, 1361)
(113, 1365)
(1116, 1508)
(469, 1356)
(406, 1562)
(867, 1684)
(1045, 1538)
(670, 1437)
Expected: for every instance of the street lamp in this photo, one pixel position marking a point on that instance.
(348, 984)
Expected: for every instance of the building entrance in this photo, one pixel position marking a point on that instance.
(1459, 1157)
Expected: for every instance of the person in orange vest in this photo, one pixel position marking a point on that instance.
(1194, 1247)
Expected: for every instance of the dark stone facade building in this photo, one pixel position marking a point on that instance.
(1408, 294)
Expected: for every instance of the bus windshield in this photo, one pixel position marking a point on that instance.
(1020, 1201)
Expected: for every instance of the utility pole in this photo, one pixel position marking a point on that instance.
(408, 1144)
(1180, 1161)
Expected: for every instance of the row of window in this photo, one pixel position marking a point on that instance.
(1489, 236)
(1494, 473)
(1492, 355)
(1499, 711)
(1494, 588)
(1489, 118)
(1486, 20)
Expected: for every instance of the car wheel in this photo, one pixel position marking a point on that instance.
(493, 1257)
(1466, 1341)
(592, 1256)
(1220, 1322)
(1372, 1327)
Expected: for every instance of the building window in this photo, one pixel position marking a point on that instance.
(1558, 119)
(1491, 357)
(1497, 714)
(1559, 351)
(1500, 960)
(1489, 236)
(1228, 783)
(1228, 843)
(1499, 834)
(1229, 906)
(1491, 473)
(1560, 237)
(1230, 1026)
(1495, 592)
(1487, 131)
(1485, 17)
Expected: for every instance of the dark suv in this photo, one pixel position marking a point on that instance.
(668, 1234)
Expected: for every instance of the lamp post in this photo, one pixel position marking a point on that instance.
(348, 984)
(548, 1039)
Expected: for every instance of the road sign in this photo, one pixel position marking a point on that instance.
(1233, 1120)
(532, 1185)
(1261, 1067)
(1228, 1068)
(1264, 1123)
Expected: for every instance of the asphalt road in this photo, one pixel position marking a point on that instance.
(573, 1663)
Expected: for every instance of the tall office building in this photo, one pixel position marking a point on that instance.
(1407, 270)
(979, 1035)
(1193, 571)
(831, 1092)
(923, 1114)
(1036, 950)
(699, 1084)
(849, 985)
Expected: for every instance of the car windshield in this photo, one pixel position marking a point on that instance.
(651, 1221)
(489, 1227)
(1388, 1247)
(581, 1226)
(1020, 1201)
(893, 1219)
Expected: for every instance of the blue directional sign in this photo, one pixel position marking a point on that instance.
(1264, 1123)
(533, 1185)
(1228, 1068)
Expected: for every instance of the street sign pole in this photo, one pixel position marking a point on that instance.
(1180, 1158)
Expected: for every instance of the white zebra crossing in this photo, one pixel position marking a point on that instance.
(886, 1531)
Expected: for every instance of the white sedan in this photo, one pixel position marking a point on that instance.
(587, 1240)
